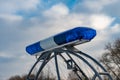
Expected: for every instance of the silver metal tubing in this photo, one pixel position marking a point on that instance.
(73, 53)
(33, 68)
(94, 60)
(69, 50)
(42, 66)
(56, 63)
(77, 66)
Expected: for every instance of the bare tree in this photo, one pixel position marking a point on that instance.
(111, 58)
(24, 77)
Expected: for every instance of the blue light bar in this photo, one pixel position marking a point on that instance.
(79, 33)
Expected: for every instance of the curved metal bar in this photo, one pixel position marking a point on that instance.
(78, 67)
(36, 63)
(78, 75)
(73, 53)
(41, 67)
(33, 68)
(56, 63)
(94, 60)
(86, 55)
(75, 64)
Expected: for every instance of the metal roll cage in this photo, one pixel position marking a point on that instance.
(71, 63)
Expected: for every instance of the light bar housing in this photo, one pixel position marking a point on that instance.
(74, 36)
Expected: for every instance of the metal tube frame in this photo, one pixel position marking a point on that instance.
(69, 50)
(75, 65)
(57, 68)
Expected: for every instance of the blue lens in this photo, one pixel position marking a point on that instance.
(34, 48)
(75, 34)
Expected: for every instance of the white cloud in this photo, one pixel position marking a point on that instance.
(12, 6)
(101, 21)
(57, 10)
(114, 32)
(97, 5)
(96, 21)
(10, 17)
(116, 28)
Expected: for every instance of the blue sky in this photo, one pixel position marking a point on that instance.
(23, 22)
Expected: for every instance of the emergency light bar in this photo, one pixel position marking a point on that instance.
(71, 37)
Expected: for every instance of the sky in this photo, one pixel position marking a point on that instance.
(24, 22)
